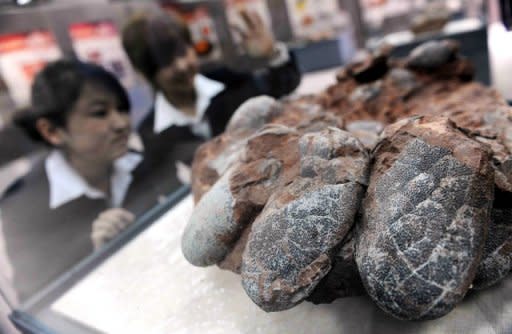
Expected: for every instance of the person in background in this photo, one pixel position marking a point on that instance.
(78, 197)
(191, 106)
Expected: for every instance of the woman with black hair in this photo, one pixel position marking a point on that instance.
(90, 185)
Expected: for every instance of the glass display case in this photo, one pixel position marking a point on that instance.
(140, 282)
(143, 284)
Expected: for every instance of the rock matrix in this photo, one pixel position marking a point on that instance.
(395, 182)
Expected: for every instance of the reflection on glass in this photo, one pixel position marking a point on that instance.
(100, 172)
(81, 112)
(94, 181)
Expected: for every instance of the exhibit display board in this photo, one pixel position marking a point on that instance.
(388, 16)
(99, 42)
(22, 55)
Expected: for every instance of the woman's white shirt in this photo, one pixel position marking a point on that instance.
(66, 184)
(167, 115)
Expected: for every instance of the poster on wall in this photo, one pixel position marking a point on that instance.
(316, 19)
(100, 43)
(233, 8)
(202, 30)
(22, 55)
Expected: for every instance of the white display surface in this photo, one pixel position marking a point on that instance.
(148, 287)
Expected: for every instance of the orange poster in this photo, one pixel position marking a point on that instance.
(22, 55)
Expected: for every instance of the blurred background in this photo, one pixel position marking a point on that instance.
(322, 35)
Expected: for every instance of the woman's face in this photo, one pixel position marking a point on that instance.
(176, 80)
(96, 130)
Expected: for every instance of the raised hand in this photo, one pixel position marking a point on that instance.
(257, 38)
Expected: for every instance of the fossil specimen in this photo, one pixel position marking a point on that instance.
(394, 182)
